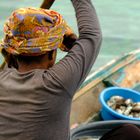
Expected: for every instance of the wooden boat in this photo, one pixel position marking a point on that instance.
(123, 72)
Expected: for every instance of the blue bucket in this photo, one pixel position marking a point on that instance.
(108, 113)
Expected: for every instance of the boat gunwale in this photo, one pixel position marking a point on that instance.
(106, 71)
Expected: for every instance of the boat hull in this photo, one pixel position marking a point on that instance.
(122, 72)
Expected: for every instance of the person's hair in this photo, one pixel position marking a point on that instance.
(12, 60)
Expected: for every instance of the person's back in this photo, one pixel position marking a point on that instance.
(35, 100)
(33, 105)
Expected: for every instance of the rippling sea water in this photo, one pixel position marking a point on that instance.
(120, 23)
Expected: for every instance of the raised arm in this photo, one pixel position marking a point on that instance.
(47, 4)
(87, 20)
(72, 70)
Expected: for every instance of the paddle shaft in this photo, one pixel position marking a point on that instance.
(47, 4)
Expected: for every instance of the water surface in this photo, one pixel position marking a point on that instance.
(120, 23)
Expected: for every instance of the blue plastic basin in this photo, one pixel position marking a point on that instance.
(109, 114)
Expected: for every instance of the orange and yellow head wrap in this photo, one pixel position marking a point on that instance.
(32, 31)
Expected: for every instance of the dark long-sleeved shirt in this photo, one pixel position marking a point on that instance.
(35, 105)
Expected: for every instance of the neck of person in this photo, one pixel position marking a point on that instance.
(43, 63)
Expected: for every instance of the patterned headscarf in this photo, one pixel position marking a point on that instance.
(31, 31)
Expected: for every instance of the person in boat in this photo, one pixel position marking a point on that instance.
(35, 93)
